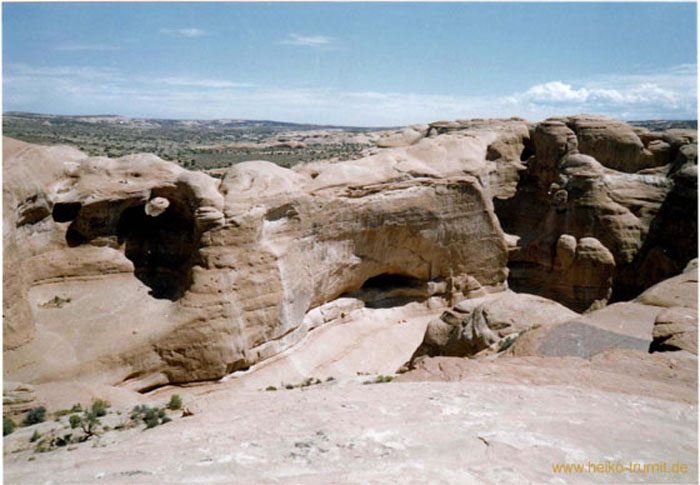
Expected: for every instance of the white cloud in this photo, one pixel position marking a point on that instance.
(27, 72)
(85, 47)
(190, 32)
(203, 83)
(669, 94)
(308, 40)
(557, 92)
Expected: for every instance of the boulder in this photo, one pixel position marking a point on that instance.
(613, 143)
(17, 398)
(679, 291)
(404, 137)
(476, 324)
(676, 328)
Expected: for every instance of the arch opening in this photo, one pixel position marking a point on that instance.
(163, 248)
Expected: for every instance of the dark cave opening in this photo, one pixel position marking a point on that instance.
(527, 152)
(389, 290)
(388, 281)
(65, 212)
(162, 248)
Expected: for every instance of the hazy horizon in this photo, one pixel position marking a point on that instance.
(349, 64)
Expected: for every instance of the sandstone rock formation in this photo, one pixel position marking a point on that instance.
(589, 179)
(663, 318)
(477, 324)
(222, 274)
(676, 329)
(137, 273)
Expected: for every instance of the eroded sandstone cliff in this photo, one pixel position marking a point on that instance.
(136, 272)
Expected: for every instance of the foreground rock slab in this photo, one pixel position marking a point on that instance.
(415, 432)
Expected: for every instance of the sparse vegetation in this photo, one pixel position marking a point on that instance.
(309, 381)
(8, 426)
(270, 388)
(89, 423)
(198, 145)
(381, 379)
(65, 412)
(99, 407)
(74, 421)
(35, 436)
(36, 415)
(152, 417)
(175, 402)
(56, 302)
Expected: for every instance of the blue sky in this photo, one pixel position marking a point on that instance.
(368, 64)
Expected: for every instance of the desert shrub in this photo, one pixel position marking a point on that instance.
(89, 423)
(175, 402)
(138, 411)
(36, 415)
(380, 380)
(151, 416)
(35, 436)
(61, 441)
(310, 381)
(270, 388)
(64, 412)
(8, 426)
(56, 302)
(74, 421)
(99, 407)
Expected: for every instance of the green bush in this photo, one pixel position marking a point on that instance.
(151, 418)
(380, 380)
(138, 411)
(36, 415)
(35, 436)
(74, 421)
(310, 381)
(175, 402)
(99, 407)
(8, 426)
(270, 388)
